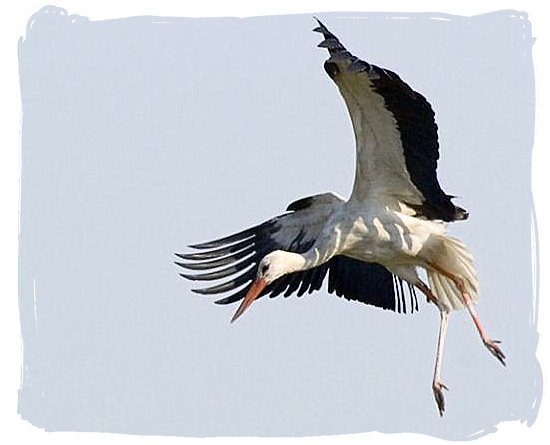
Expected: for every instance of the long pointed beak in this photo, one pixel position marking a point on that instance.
(255, 289)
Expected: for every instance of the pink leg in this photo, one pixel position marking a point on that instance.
(437, 385)
(491, 345)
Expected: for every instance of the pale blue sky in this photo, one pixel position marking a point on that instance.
(277, 199)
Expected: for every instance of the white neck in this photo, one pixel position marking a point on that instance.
(296, 262)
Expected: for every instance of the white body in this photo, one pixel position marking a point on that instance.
(372, 232)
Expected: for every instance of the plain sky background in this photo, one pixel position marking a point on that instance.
(273, 206)
(145, 134)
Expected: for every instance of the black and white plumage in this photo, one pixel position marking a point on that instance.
(238, 255)
(371, 244)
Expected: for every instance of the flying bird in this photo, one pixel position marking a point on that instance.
(371, 245)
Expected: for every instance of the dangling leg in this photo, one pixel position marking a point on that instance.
(491, 345)
(437, 386)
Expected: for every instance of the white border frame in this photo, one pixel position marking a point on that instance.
(13, 26)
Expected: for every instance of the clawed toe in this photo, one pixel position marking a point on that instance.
(438, 388)
(493, 348)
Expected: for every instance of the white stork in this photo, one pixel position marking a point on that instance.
(393, 223)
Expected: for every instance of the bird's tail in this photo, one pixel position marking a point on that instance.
(453, 257)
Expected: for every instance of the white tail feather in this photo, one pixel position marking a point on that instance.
(454, 257)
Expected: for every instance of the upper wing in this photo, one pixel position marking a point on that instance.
(395, 133)
(236, 257)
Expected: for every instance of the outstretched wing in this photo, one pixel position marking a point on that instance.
(237, 256)
(395, 133)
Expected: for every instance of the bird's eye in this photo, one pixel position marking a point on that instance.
(264, 268)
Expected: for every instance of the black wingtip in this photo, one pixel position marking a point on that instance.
(187, 276)
(323, 30)
(331, 43)
(320, 27)
(300, 204)
(185, 256)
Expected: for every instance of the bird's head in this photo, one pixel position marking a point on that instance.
(272, 266)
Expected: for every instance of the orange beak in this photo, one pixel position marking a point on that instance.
(256, 289)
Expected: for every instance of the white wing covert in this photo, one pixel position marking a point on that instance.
(395, 132)
(236, 258)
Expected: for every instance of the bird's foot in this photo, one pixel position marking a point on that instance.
(493, 348)
(438, 388)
